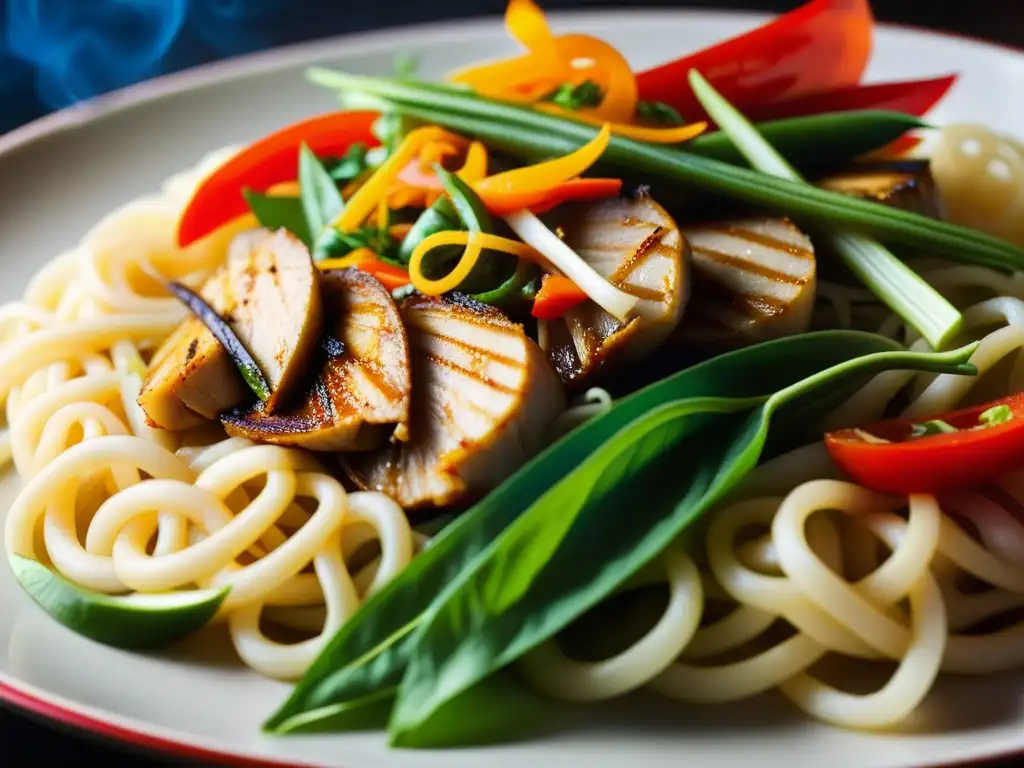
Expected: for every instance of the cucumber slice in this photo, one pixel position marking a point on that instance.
(135, 622)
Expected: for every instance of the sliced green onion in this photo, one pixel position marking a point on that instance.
(532, 231)
(892, 281)
(996, 415)
(933, 427)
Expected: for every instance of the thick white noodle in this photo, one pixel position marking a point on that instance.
(124, 507)
(813, 566)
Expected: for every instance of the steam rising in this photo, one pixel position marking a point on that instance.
(63, 51)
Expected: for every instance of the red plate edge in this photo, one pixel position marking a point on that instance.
(18, 699)
(30, 703)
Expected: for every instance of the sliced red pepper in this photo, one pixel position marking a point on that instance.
(557, 295)
(271, 160)
(934, 463)
(501, 204)
(912, 97)
(820, 46)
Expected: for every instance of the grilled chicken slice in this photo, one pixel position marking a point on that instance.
(634, 244)
(269, 294)
(753, 279)
(483, 401)
(362, 391)
(278, 314)
(906, 184)
(191, 378)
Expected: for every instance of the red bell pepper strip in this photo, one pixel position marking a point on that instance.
(271, 160)
(974, 453)
(501, 204)
(912, 97)
(820, 46)
(557, 295)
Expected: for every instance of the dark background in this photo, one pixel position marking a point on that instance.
(56, 52)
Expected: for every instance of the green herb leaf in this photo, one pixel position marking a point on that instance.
(334, 244)
(997, 414)
(515, 288)
(468, 205)
(530, 133)
(369, 654)
(658, 112)
(933, 427)
(572, 547)
(277, 212)
(440, 217)
(349, 166)
(892, 281)
(570, 96)
(406, 65)
(321, 200)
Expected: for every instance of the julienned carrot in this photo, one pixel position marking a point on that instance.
(390, 275)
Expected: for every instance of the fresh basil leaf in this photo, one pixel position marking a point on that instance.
(576, 96)
(321, 200)
(658, 112)
(573, 546)
(334, 244)
(368, 656)
(349, 166)
(277, 212)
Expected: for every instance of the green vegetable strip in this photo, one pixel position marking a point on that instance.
(517, 129)
(892, 281)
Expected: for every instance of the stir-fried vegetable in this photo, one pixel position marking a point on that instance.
(390, 275)
(557, 295)
(271, 160)
(946, 452)
(820, 46)
(518, 129)
(889, 278)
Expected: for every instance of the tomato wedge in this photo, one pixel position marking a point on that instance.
(967, 447)
(820, 46)
(271, 160)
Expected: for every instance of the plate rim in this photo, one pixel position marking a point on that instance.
(54, 710)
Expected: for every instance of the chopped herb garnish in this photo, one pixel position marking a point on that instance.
(349, 166)
(406, 65)
(997, 414)
(334, 244)
(576, 96)
(932, 427)
(658, 112)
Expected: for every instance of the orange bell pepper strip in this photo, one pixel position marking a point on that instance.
(508, 189)
(390, 276)
(557, 295)
(542, 202)
(821, 46)
(269, 161)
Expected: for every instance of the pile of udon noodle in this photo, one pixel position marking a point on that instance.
(803, 568)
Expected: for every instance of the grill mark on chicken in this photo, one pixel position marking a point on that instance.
(761, 239)
(748, 265)
(453, 366)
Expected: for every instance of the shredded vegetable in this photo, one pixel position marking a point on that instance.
(474, 244)
(532, 230)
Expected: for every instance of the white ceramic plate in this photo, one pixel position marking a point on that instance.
(61, 174)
